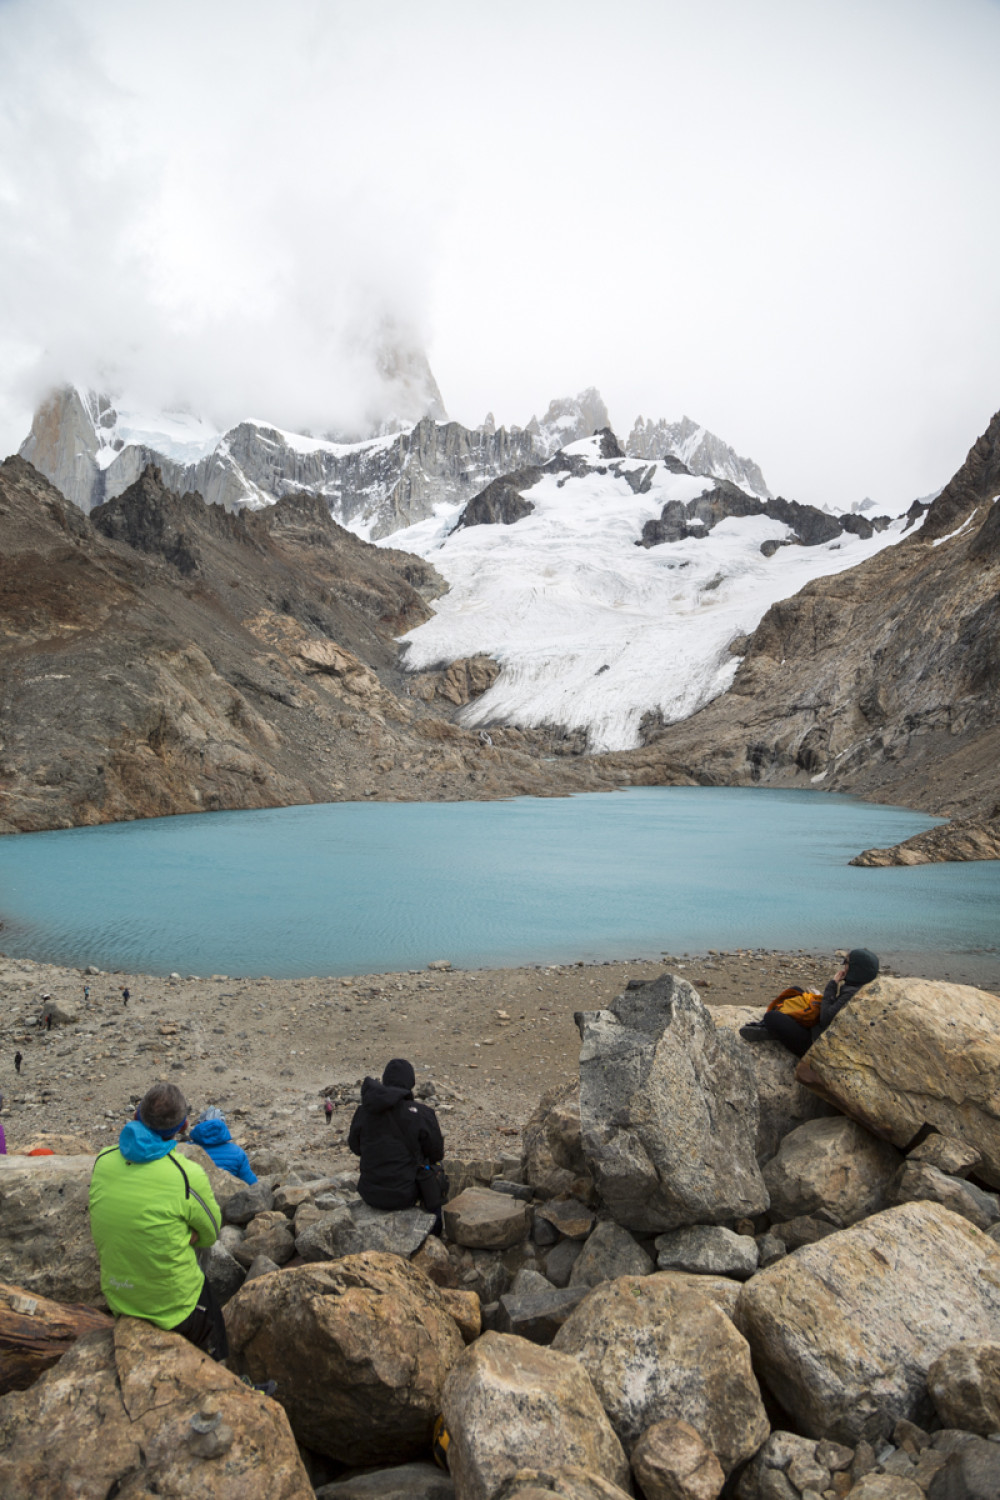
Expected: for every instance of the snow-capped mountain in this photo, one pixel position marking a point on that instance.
(592, 630)
(699, 449)
(93, 448)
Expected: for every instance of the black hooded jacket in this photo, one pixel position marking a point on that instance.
(862, 968)
(391, 1131)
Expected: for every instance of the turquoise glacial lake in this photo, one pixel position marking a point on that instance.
(351, 888)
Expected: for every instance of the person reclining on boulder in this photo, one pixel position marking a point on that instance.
(392, 1132)
(861, 968)
(212, 1134)
(148, 1211)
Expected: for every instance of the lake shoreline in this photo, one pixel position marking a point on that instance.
(493, 1041)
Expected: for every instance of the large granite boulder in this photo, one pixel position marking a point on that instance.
(510, 1404)
(845, 1331)
(656, 1348)
(45, 1241)
(784, 1102)
(912, 1052)
(360, 1348)
(356, 1228)
(834, 1164)
(668, 1111)
(552, 1158)
(134, 1412)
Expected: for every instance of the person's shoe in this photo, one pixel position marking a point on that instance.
(266, 1387)
(755, 1031)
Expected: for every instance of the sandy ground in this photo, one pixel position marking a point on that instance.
(491, 1041)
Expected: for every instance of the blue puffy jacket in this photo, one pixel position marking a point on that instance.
(213, 1136)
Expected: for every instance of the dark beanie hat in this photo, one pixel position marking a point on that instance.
(862, 966)
(399, 1074)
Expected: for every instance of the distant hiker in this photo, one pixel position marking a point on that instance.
(17, 1062)
(86, 993)
(328, 1110)
(48, 1020)
(3, 1138)
(149, 1210)
(395, 1137)
(125, 995)
(212, 1134)
(779, 1023)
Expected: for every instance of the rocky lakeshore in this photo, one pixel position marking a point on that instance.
(701, 1268)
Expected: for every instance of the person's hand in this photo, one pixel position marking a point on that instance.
(841, 974)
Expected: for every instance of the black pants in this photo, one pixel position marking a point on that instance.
(786, 1029)
(205, 1326)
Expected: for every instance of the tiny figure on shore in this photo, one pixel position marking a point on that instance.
(211, 1133)
(798, 1017)
(17, 1062)
(125, 995)
(398, 1140)
(86, 993)
(328, 1110)
(3, 1138)
(48, 1020)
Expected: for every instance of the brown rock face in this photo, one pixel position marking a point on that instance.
(912, 1052)
(360, 1348)
(133, 1412)
(509, 1404)
(35, 1332)
(964, 1383)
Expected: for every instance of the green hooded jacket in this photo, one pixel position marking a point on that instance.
(145, 1203)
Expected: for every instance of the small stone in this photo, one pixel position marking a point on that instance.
(833, 1456)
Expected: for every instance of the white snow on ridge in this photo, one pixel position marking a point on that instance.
(591, 630)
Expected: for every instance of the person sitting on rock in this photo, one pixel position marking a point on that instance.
(861, 968)
(393, 1134)
(212, 1134)
(149, 1209)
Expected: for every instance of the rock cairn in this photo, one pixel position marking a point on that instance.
(715, 1271)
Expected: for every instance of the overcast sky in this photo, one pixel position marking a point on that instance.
(779, 217)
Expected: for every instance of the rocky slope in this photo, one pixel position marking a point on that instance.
(883, 681)
(164, 656)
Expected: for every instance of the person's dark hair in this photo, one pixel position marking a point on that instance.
(862, 966)
(399, 1074)
(163, 1107)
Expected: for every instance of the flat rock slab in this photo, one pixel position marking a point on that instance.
(484, 1220)
(354, 1229)
(846, 1330)
(911, 1052)
(538, 1316)
(707, 1248)
(568, 1216)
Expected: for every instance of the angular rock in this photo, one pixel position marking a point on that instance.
(707, 1248)
(509, 1403)
(224, 1272)
(560, 1261)
(919, 1182)
(794, 1233)
(288, 1197)
(688, 1095)
(831, 1163)
(268, 1234)
(672, 1462)
(765, 1474)
(770, 1247)
(433, 1259)
(912, 1052)
(45, 1241)
(972, 1472)
(956, 1158)
(35, 1332)
(261, 1265)
(567, 1483)
(845, 1331)
(359, 1228)
(887, 1487)
(240, 1207)
(360, 1348)
(63, 1010)
(552, 1159)
(135, 1411)
(538, 1316)
(528, 1280)
(724, 1291)
(466, 1309)
(657, 1349)
(608, 1252)
(420, 1481)
(964, 1383)
(568, 1216)
(784, 1102)
(486, 1220)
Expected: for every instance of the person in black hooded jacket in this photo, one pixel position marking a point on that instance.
(392, 1132)
(861, 968)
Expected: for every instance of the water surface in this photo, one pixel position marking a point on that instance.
(349, 888)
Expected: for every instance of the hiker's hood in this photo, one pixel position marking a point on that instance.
(211, 1133)
(379, 1097)
(138, 1143)
(862, 967)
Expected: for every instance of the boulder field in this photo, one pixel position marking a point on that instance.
(717, 1271)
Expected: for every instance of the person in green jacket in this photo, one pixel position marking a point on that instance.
(149, 1211)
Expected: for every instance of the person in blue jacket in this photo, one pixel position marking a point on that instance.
(212, 1134)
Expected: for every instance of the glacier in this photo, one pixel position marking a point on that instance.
(592, 631)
